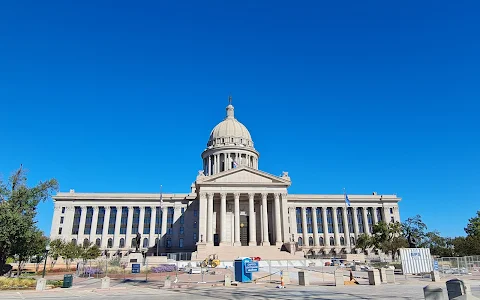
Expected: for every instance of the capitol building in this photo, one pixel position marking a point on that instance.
(233, 209)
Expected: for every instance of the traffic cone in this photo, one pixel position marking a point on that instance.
(282, 283)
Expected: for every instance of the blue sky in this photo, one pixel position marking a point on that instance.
(112, 96)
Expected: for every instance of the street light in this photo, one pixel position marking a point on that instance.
(47, 248)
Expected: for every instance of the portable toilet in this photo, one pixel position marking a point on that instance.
(240, 271)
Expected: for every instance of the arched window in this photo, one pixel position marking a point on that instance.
(122, 243)
(352, 240)
(97, 242)
(74, 241)
(332, 241)
(145, 243)
(86, 243)
(300, 241)
(321, 242)
(156, 241)
(310, 241)
(110, 243)
(342, 241)
(133, 244)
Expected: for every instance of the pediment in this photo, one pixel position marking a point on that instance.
(245, 175)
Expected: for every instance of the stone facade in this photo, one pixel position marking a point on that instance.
(231, 205)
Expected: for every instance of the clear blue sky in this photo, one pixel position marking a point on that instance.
(367, 95)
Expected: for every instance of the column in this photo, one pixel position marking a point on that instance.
(304, 226)
(128, 238)
(210, 218)
(278, 220)
(335, 227)
(251, 220)
(237, 219)
(81, 227)
(153, 222)
(355, 222)
(365, 221)
(106, 222)
(202, 217)
(265, 241)
(345, 226)
(286, 233)
(386, 215)
(375, 217)
(315, 226)
(141, 224)
(93, 228)
(326, 238)
(223, 218)
(118, 219)
(209, 165)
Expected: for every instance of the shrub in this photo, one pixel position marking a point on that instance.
(13, 283)
(92, 271)
(164, 268)
(55, 283)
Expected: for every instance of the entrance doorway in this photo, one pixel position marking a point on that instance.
(244, 235)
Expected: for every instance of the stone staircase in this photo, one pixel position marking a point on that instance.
(230, 253)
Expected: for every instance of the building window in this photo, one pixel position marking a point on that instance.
(392, 220)
(310, 241)
(136, 220)
(350, 220)
(145, 243)
(298, 212)
(63, 210)
(195, 237)
(361, 228)
(170, 212)
(169, 243)
(391, 210)
(88, 220)
(332, 241)
(111, 221)
(86, 243)
(370, 219)
(182, 220)
(110, 243)
(123, 220)
(352, 240)
(181, 230)
(60, 230)
(100, 219)
(133, 243)
(76, 220)
(309, 220)
(180, 243)
(182, 210)
(342, 241)
(195, 213)
(340, 220)
(158, 221)
(74, 241)
(321, 242)
(97, 242)
(122, 243)
(379, 214)
(195, 224)
(319, 220)
(61, 220)
(146, 220)
(300, 241)
(330, 220)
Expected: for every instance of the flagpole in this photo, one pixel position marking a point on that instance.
(160, 212)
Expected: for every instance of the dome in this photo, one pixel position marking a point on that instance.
(230, 132)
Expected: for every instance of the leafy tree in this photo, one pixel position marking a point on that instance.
(469, 245)
(473, 226)
(31, 244)
(90, 251)
(69, 252)
(416, 228)
(388, 238)
(440, 246)
(55, 251)
(364, 241)
(18, 204)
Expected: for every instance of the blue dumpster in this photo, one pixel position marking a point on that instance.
(241, 274)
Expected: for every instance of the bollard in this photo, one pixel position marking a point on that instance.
(374, 277)
(228, 280)
(435, 275)
(105, 282)
(383, 275)
(338, 274)
(303, 278)
(431, 292)
(390, 275)
(41, 284)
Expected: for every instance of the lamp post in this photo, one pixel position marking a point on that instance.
(47, 248)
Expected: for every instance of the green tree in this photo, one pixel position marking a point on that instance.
(69, 252)
(364, 241)
(473, 226)
(388, 237)
(30, 245)
(416, 228)
(55, 251)
(464, 246)
(18, 204)
(439, 246)
(90, 251)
